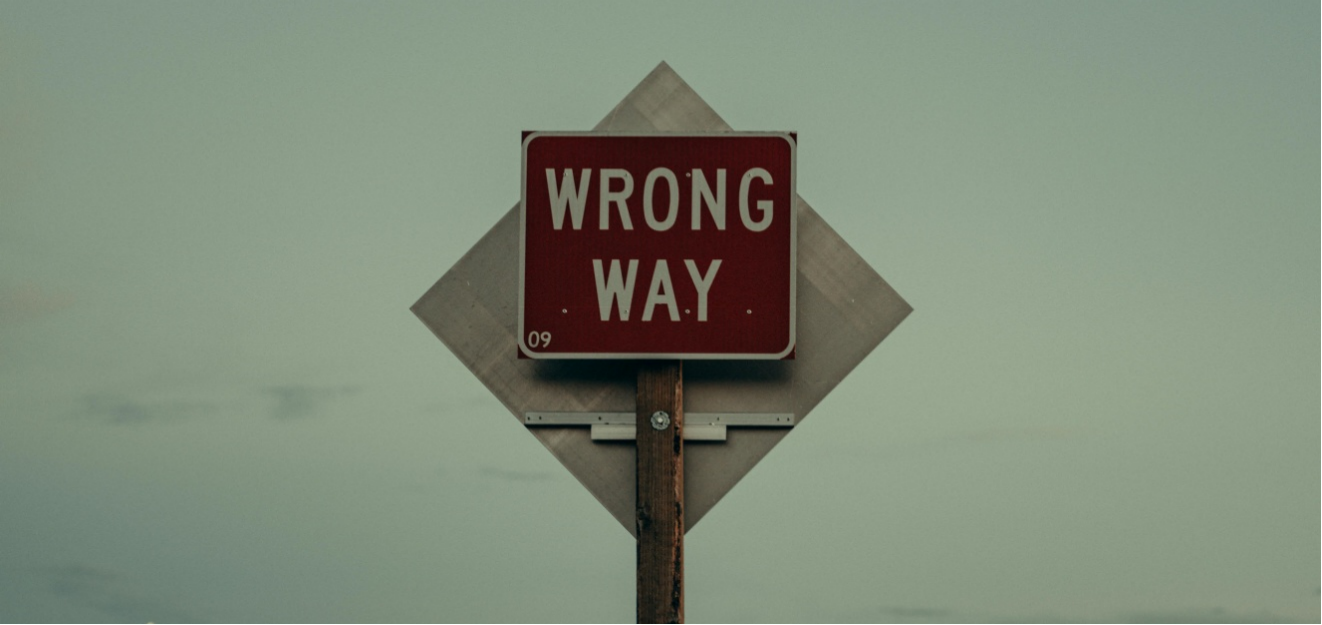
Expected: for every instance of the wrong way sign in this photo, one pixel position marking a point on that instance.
(657, 246)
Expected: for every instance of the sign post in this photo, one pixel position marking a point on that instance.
(660, 518)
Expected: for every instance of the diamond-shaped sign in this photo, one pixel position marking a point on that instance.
(844, 310)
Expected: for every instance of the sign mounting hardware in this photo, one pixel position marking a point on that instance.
(698, 426)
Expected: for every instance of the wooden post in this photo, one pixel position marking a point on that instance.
(660, 511)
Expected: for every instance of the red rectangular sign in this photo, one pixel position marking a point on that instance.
(657, 246)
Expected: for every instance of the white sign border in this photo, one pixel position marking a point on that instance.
(794, 241)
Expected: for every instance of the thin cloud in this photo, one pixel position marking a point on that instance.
(1214, 615)
(300, 401)
(916, 613)
(1044, 434)
(906, 614)
(78, 579)
(1041, 433)
(110, 593)
(459, 402)
(28, 302)
(116, 409)
(515, 476)
(902, 614)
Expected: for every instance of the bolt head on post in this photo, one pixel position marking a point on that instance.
(660, 420)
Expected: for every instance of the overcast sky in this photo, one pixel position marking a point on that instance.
(215, 404)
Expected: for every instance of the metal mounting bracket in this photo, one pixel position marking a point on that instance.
(698, 426)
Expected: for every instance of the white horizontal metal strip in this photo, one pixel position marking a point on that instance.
(698, 426)
(737, 419)
(612, 432)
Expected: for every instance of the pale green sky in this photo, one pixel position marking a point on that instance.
(215, 404)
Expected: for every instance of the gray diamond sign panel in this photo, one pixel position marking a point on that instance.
(843, 311)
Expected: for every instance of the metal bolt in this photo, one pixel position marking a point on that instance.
(660, 420)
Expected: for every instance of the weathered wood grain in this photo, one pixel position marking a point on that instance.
(659, 518)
